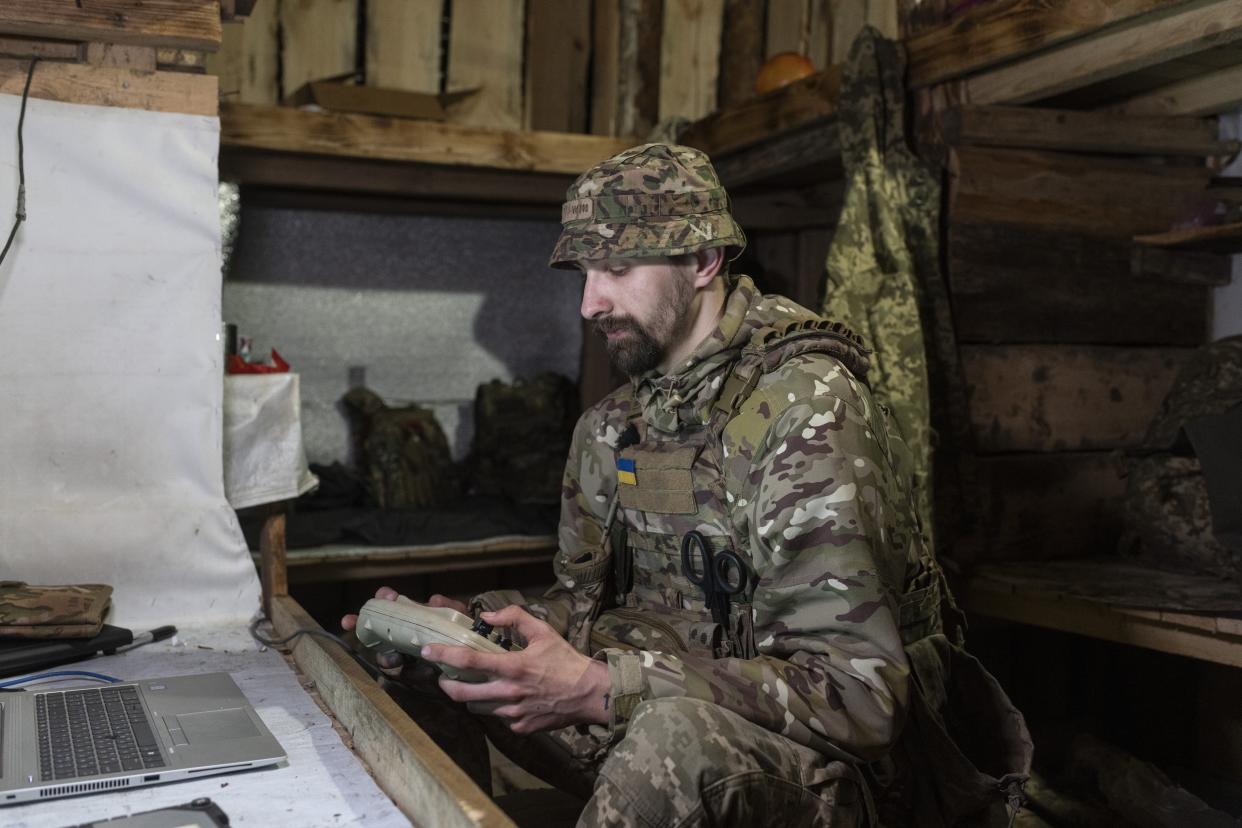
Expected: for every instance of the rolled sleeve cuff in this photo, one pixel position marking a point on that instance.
(626, 688)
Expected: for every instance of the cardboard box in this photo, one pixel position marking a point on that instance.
(335, 96)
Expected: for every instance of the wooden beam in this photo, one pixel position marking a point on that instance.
(742, 45)
(105, 86)
(403, 44)
(249, 60)
(1098, 621)
(818, 205)
(1225, 239)
(421, 780)
(848, 18)
(811, 153)
(558, 45)
(485, 53)
(1016, 284)
(1073, 193)
(1071, 131)
(450, 186)
(625, 86)
(1185, 267)
(190, 24)
(803, 102)
(997, 32)
(121, 56)
(273, 558)
(1185, 30)
(284, 129)
(1042, 506)
(181, 60)
(690, 57)
(24, 47)
(318, 40)
(1209, 94)
(1065, 397)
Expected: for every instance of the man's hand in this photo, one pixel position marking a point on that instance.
(391, 660)
(546, 685)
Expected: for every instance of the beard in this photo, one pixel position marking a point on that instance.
(645, 345)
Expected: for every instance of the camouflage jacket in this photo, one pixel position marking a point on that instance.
(804, 483)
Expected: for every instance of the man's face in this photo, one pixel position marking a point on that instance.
(642, 308)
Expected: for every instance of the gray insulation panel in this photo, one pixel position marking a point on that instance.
(427, 307)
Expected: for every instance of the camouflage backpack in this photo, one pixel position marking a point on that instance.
(402, 453)
(522, 433)
(1182, 504)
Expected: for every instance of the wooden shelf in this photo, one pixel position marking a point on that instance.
(1222, 238)
(291, 149)
(787, 137)
(1114, 601)
(337, 562)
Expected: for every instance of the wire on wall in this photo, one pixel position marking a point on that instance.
(21, 165)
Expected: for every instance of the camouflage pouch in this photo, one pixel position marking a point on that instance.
(75, 611)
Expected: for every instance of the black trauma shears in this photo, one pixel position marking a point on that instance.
(720, 575)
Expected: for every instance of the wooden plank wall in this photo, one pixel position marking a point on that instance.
(559, 65)
(1069, 342)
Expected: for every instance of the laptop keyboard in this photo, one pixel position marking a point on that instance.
(94, 731)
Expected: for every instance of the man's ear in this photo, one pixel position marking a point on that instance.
(707, 265)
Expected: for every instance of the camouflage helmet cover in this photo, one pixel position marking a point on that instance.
(650, 200)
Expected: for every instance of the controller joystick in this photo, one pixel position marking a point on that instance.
(406, 626)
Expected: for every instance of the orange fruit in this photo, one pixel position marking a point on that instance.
(781, 70)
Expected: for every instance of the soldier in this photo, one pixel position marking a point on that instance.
(746, 447)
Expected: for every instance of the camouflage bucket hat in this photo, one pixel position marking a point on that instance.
(652, 200)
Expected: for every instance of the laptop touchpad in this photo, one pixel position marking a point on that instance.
(217, 725)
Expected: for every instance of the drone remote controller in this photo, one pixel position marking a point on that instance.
(406, 626)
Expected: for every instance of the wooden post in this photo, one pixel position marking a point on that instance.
(558, 43)
(273, 563)
(690, 57)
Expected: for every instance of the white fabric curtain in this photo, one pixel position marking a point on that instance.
(111, 365)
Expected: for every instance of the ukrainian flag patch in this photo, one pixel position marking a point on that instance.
(625, 472)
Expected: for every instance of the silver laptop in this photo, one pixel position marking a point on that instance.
(65, 742)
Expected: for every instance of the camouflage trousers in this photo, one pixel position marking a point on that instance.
(682, 762)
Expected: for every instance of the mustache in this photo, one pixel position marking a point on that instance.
(611, 324)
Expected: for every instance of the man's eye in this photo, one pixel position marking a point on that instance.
(618, 270)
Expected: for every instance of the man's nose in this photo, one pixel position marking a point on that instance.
(595, 301)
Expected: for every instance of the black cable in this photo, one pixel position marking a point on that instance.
(21, 165)
(372, 671)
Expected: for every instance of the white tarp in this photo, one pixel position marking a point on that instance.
(264, 460)
(111, 365)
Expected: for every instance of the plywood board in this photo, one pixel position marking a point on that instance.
(319, 39)
(690, 57)
(403, 44)
(485, 52)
